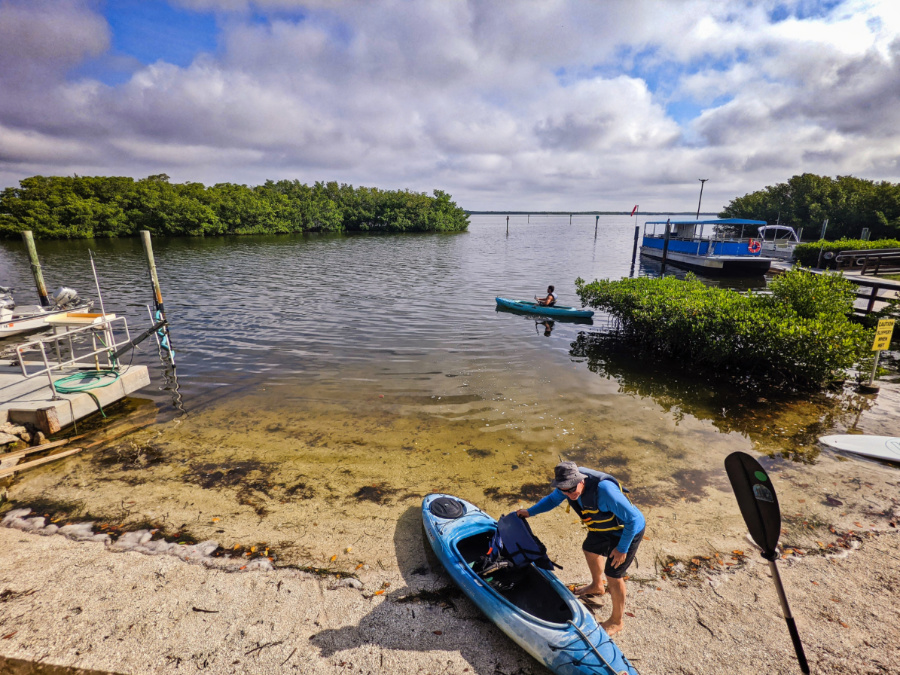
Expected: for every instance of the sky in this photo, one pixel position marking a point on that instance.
(505, 104)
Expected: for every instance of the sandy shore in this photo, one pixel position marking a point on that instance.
(313, 484)
(81, 605)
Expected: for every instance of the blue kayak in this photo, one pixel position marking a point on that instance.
(539, 612)
(530, 307)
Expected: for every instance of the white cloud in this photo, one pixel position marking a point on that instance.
(527, 104)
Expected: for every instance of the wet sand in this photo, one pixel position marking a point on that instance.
(332, 490)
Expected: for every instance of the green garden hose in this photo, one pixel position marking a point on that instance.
(83, 381)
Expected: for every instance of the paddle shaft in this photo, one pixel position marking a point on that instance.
(788, 617)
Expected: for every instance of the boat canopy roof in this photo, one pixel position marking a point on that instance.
(711, 221)
(788, 231)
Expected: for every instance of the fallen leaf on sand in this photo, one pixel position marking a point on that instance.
(333, 558)
(9, 635)
(629, 614)
(381, 592)
(438, 632)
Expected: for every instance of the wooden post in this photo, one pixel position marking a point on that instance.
(507, 225)
(36, 268)
(596, 224)
(529, 218)
(570, 219)
(637, 233)
(873, 296)
(665, 247)
(151, 263)
(163, 334)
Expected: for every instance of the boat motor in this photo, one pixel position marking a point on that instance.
(6, 298)
(65, 297)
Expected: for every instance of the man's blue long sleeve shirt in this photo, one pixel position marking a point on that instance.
(609, 498)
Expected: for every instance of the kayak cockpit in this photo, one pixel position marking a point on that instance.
(533, 593)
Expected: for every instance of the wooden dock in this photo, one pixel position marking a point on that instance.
(30, 401)
(873, 293)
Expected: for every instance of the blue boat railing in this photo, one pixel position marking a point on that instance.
(702, 247)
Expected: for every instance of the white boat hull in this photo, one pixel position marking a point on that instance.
(712, 264)
(879, 447)
(16, 325)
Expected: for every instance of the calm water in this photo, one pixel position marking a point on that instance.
(258, 310)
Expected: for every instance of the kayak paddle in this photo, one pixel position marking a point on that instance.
(759, 507)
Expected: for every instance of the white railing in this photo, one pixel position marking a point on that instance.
(104, 331)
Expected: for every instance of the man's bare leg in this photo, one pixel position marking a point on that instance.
(617, 590)
(596, 563)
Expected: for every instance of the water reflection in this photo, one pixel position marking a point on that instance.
(785, 424)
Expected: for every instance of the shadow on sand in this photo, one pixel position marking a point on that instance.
(429, 615)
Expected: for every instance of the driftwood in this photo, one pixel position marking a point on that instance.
(37, 462)
(18, 454)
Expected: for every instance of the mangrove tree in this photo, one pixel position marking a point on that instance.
(76, 207)
(797, 337)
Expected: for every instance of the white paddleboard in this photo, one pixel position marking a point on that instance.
(880, 447)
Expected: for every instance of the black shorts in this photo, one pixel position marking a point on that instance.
(602, 543)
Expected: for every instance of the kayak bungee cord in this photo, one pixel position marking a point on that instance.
(590, 648)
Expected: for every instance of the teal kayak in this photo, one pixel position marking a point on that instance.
(531, 307)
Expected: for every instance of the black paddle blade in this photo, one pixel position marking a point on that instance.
(756, 499)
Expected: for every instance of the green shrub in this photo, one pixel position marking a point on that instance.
(798, 337)
(808, 254)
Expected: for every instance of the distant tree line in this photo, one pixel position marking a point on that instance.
(849, 204)
(57, 207)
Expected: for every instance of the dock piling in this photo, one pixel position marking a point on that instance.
(665, 253)
(28, 238)
(637, 233)
(507, 226)
(596, 225)
(160, 313)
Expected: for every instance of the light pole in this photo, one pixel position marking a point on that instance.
(702, 181)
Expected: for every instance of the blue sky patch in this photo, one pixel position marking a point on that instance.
(805, 9)
(147, 31)
(154, 30)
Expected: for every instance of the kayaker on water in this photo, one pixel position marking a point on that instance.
(550, 300)
(615, 529)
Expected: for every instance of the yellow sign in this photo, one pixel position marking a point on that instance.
(883, 335)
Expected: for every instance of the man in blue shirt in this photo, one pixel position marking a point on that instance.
(615, 529)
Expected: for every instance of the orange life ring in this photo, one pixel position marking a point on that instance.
(754, 246)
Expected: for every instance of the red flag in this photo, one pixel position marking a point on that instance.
(634, 209)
